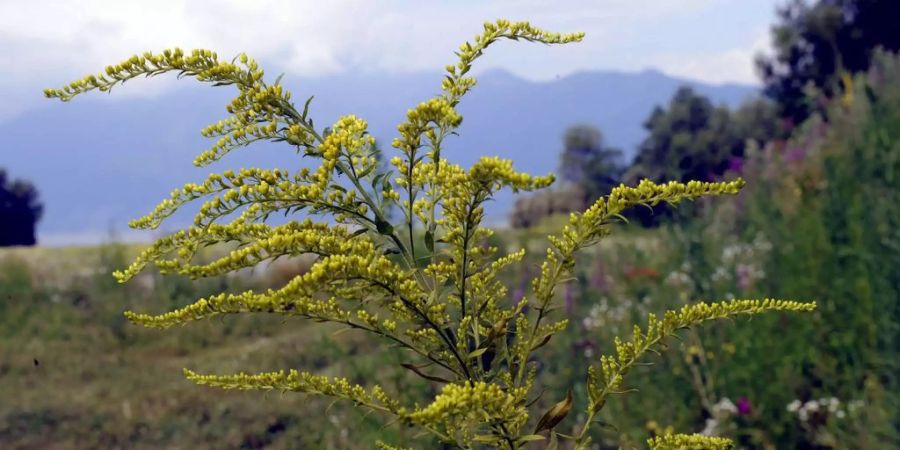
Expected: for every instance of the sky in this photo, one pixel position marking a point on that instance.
(46, 43)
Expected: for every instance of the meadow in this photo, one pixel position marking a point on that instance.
(819, 220)
(76, 374)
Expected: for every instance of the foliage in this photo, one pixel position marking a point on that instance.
(689, 140)
(529, 210)
(815, 44)
(692, 139)
(444, 303)
(20, 210)
(809, 221)
(689, 442)
(589, 169)
(587, 161)
(847, 247)
(75, 374)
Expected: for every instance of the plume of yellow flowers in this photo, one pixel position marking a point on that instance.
(689, 442)
(448, 308)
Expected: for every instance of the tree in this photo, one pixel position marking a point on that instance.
(689, 140)
(445, 306)
(20, 211)
(757, 120)
(815, 44)
(587, 162)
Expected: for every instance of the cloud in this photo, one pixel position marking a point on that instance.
(48, 43)
(729, 65)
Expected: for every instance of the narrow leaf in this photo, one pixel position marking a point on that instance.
(429, 240)
(542, 343)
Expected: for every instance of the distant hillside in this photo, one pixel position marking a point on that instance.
(100, 161)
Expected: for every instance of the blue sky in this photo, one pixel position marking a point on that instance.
(46, 43)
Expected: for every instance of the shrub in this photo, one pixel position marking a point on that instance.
(443, 303)
(827, 199)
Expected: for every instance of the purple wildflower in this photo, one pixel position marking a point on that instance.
(735, 165)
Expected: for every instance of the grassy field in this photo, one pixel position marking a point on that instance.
(74, 374)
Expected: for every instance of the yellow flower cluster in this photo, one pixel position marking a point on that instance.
(487, 292)
(322, 310)
(259, 114)
(262, 243)
(615, 367)
(438, 117)
(305, 382)
(434, 112)
(446, 304)
(462, 408)
(689, 442)
(291, 239)
(585, 228)
(456, 85)
(202, 64)
(354, 270)
(493, 173)
(382, 446)
(649, 193)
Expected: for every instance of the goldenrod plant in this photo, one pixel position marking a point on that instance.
(444, 303)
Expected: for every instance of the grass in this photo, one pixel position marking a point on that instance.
(74, 374)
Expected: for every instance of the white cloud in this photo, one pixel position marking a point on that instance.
(729, 65)
(48, 43)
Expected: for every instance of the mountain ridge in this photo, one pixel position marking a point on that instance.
(98, 163)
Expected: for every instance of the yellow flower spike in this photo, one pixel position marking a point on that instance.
(445, 304)
(304, 382)
(689, 442)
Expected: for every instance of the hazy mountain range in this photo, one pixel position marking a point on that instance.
(99, 161)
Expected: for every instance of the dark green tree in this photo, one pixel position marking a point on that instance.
(589, 163)
(690, 139)
(693, 139)
(20, 211)
(757, 120)
(815, 43)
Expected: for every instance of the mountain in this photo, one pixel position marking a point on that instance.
(99, 161)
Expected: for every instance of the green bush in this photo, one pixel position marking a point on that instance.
(821, 216)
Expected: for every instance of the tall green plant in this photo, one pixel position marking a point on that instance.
(834, 227)
(447, 308)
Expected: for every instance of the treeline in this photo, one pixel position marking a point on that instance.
(20, 211)
(818, 48)
(819, 219)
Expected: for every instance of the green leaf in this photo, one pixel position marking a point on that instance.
(530, 438)
(306, 108)
(487, 438)
(554, 442)
(476, 353)
(384, 227)
(377, 179)
(542, 343)
(429, 240)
